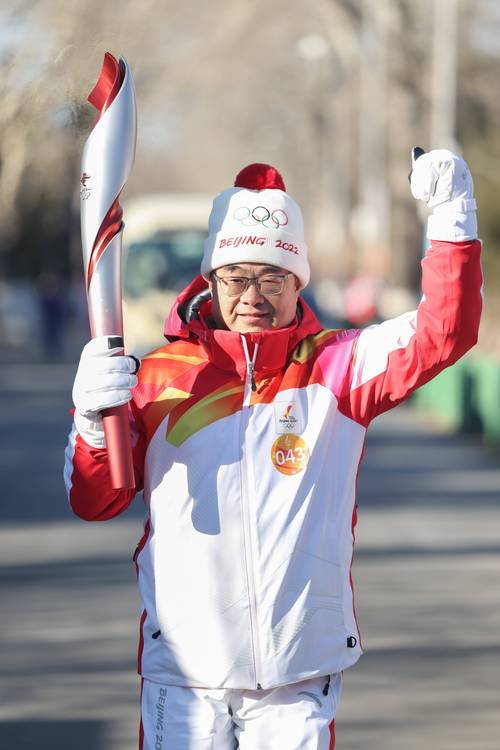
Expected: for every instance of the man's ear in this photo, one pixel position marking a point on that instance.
(214, 291)
(212, 285)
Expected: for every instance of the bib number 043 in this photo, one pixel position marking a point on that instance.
(290, 454)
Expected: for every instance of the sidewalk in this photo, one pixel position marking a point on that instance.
(428, 590)
(427, 574)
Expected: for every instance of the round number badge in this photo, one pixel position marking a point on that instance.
(290, 454)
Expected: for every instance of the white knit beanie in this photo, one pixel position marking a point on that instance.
(256, 221)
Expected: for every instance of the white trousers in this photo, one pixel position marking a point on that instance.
(292, 717)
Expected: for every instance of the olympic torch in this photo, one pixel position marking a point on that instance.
(107, 160)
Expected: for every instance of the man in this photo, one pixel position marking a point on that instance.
(248, 431)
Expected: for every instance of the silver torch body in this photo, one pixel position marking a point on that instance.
(107, 161)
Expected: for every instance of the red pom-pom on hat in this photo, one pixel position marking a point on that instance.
(259, 177)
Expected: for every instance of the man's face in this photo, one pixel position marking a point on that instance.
(252, 310)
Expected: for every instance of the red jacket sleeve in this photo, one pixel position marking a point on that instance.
(86, 474)
(391, 360)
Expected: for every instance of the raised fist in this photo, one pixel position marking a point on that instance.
(442, 180)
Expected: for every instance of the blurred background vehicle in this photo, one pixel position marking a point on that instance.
(163, 247)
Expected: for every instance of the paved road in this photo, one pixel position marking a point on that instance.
(427, 574)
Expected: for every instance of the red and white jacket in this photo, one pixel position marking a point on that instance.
(245, 563)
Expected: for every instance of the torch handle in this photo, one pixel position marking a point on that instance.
(119, 446)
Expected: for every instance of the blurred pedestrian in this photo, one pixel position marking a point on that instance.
(53, 309)
(248, 429)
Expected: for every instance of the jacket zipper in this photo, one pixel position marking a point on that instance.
(250, 376)
(246, 489)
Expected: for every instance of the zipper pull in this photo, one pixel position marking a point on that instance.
(251, 372)
(250, 361)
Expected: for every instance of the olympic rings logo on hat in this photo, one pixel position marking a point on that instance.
(261, 215)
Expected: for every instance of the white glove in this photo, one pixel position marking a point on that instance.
(442, 180)
(104, 379)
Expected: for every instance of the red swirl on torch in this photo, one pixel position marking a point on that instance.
(110, 227)
(106, 164)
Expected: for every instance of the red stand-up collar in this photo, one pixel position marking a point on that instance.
(225, 348)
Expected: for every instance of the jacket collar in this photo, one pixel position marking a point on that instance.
(225, 348)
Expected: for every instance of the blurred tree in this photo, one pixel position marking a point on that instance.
(221, 86)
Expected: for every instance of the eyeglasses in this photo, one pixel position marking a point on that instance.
(233, 286)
